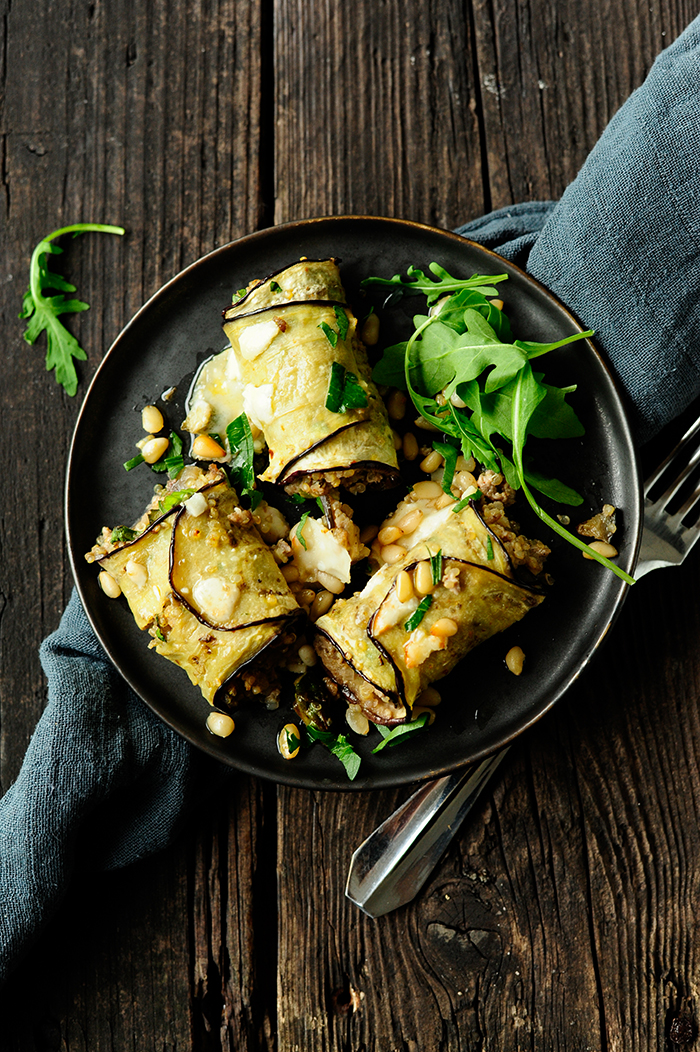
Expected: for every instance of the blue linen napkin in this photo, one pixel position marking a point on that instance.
(105, 782)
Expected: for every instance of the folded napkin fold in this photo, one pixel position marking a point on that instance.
(104, 781)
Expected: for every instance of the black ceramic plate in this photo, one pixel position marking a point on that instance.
(483, 705)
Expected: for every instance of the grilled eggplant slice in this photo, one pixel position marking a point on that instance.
(204, 585)
(387, 643)
(290, 335)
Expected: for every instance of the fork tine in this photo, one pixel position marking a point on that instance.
(679, 480)
(687, 506)
(690, 434)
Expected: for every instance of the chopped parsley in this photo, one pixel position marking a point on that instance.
(299, 529)
(344, 391)
(330, 334)
(401, 733)
(122, 535)
(450, 454)
(275, 287)
(339, 746)
(342, 319)
(240, 440)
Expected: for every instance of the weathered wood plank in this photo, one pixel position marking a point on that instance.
(375, 112)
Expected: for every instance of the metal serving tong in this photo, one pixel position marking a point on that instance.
(392, 865)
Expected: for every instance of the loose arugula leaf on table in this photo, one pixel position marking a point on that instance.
(43, 311)
(339, 746)
(399, 734)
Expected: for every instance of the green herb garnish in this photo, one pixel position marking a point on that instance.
(275, 287)
(450, 454)
(330, 334)
(344, 391)
(339, 746)
(436, 567)
(419, 613)
(240, 440)
(342, 319)
(300, 527)
(178, 497)
(398, 734)
(122, 535)
(129, 465)
(461, 505)
(158, 634)
(465, 348)
(489, 547)
(43, 311)
(293, 741)
(172, 460)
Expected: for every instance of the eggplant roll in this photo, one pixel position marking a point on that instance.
(200, 580)
(292, 337)
(417, 617)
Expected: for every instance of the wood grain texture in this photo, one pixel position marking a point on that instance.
(564, 915)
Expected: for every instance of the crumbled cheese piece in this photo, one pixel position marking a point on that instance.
(257, 338)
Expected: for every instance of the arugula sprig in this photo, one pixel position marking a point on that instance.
(490, 397)
(398, 734)
(442, 284)
(43, 311)
(339, 745)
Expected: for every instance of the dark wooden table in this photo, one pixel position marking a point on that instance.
(564, 916)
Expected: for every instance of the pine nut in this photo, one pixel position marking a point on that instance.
(431, 463)
(398, 441)
(404, 587)
(498, 304)
(392, 553)
(428, 697)
(321, 605)
(515, 659)
(306, 596)
(444, 501)
(465, 481)
(423, 579)
(330, 582)
(286, 739)
(457, 401)
(422, 710)
(410, 522)
(368, 534)
(290, 572)
(151, 419)
(307, 654)
(444, 628)
(220, 724)
(427, 489)
(410, 446)
(369, 333)
(425, 425)
(603, 548)
(389, 534)
(137, 572)
(464, 464)
(153, 449)
(109, 585)
(205, 448)
(396, 405)
(356, 720)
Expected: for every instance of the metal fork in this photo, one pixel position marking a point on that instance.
(389, 868)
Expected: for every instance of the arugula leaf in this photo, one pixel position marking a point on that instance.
(442, 284)
(44, 311)
(525, 399)
(399, 734)
(344, 391)
(339, 746)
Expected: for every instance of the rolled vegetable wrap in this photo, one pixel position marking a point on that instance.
(306, 382)
(417, 617)
(200, 580)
